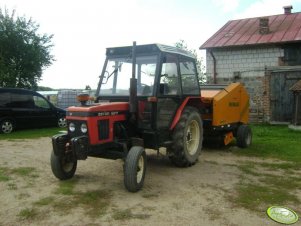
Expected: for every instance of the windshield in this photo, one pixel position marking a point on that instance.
(116, 79)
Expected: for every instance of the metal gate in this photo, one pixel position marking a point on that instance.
(281, 98)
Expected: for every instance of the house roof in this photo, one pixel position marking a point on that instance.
(296, 86)
(283, 28)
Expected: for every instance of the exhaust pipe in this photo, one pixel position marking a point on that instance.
(133, 85)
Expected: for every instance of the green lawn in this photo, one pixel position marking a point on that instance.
(276, 142)
(31, 133)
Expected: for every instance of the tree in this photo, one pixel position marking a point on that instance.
(23, 52)
(199, 61)
(44, 88)
(88, 87)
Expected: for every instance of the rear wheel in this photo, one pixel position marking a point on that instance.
(134, 169)
(6, 126)
(244, 136)
(63, 166)
(187, 139)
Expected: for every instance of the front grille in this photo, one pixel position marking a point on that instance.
(103, 129)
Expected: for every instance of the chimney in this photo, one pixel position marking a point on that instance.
(264, 26)
(287, 9)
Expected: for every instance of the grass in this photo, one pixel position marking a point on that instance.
(258, 197)
(4, 174)
(66, 187)
(127, 214)
(31, 133)
(274, 142)
(26, 214)
(258, 189)
(263, 184)
(25, 171)
(94, 203)
(45, 201)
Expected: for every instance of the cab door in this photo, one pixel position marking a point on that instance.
(168, 93)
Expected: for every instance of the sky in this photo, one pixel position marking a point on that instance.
(83, 29)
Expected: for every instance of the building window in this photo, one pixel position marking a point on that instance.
(292, 55)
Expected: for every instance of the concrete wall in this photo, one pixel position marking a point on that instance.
(249, 61)
(246, 65)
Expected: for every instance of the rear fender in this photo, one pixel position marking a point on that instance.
(188, 101)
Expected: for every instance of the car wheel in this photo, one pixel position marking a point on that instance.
(62, 122)
(7, 126)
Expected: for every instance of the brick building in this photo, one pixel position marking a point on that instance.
(264, 53)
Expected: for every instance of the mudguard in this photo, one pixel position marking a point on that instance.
(59, 143)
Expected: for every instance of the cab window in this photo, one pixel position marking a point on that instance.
(189, 77)
(169, 77)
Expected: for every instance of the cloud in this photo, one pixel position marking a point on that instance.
(226, 6)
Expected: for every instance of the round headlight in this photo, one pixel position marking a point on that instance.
(84, 128)
(71, 127)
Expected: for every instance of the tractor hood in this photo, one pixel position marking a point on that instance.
(101, 109)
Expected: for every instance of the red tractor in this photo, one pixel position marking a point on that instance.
(148, 96)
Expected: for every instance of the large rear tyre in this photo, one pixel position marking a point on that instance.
(244, 136)
(134, 169)
(64, 166)
(187, 139)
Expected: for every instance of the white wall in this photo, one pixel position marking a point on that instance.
(250, 62)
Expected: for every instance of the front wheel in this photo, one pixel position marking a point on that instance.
(134, 169)
(63, 166)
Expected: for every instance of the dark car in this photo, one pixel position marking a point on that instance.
(21, 108)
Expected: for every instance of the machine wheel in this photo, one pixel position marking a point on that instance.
(64, 166)
(134, 169)
(7, 126)
(187, 139)
(244, 136)
(62, 122)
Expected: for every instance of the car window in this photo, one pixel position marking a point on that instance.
(4, 99)
(40, 102)
(21, 101)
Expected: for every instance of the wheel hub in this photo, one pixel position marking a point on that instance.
(192, 137)
(7, 127)
(140, 168)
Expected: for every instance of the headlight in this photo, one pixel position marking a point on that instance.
(84, 128)
(71, 127)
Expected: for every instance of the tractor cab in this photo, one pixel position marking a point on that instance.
(165, 76)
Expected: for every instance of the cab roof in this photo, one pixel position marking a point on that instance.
(147, 49)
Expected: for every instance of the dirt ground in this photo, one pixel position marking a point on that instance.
(198, 195)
